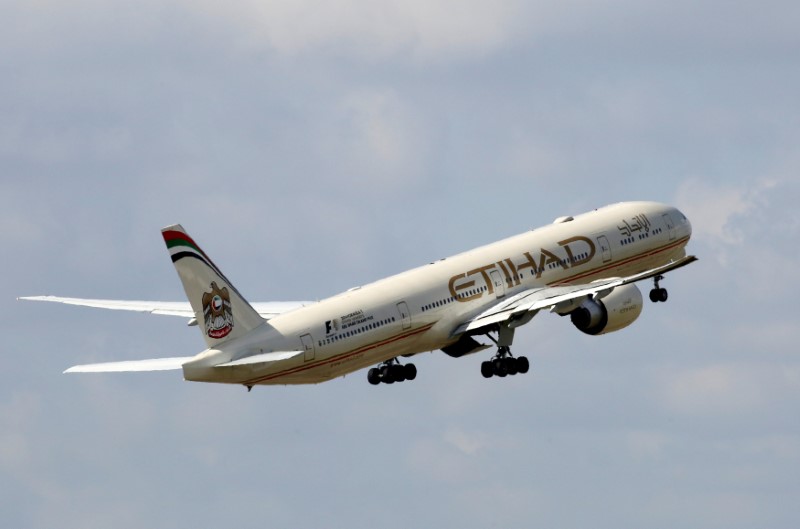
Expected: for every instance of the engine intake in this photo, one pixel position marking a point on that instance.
(615, 311)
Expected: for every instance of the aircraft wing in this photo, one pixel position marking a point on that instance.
(521, 307)
(266, 310)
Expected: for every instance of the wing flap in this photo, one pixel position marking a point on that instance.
(153, 364)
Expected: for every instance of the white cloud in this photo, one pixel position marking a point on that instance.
(745, 229)
(370, 29)
(712, 209)
(382, 128)
(437, 461)
(467, 444)
(728, 390)
(709, 390)
(384, 140)
(451, 455)
(533, 159)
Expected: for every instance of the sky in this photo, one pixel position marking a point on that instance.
(312, 147)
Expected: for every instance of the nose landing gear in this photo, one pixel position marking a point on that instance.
(658, 293)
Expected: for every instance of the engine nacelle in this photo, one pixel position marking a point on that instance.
(615, 311)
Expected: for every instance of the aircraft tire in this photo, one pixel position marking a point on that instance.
(487, 369)
(410, 371)
(398, 373)
(386, 375)
(511, 366)
(658, 294)
(374, 376)
(499, 368)
(522, 364)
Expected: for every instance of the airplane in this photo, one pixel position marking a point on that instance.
(583, 266)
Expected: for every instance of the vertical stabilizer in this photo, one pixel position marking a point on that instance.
(222, 312)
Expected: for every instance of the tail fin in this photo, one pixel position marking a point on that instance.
(222, 312)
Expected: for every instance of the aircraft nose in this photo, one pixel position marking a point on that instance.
(685, 226)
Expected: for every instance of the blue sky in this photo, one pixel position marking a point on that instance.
(311, 148)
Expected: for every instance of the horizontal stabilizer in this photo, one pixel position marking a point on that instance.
(264, 358)
(166, 308)
(154, 364)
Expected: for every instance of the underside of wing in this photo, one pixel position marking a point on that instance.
(523, 306)
(154, 364)
(266, 310)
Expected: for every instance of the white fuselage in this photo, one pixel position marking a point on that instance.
(418, 310)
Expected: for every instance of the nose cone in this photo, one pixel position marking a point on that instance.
(683, 224)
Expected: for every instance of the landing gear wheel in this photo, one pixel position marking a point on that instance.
(503, 365)
(390, 372)
(374, 376)
(487, 369)
(398, 373)
(658, 294)
(522, 365)
(499, 367)
(386, 375)
(511, 366)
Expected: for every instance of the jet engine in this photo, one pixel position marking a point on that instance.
(611, 313)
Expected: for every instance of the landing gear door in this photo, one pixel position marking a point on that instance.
(405, 314)
(308, 346)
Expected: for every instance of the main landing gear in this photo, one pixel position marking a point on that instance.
(390, 372)
(504, 364)
(658, 293)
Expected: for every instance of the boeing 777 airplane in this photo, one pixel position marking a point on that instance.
(584, 267)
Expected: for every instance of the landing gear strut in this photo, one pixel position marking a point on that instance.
(390, 372)
(658, 293)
